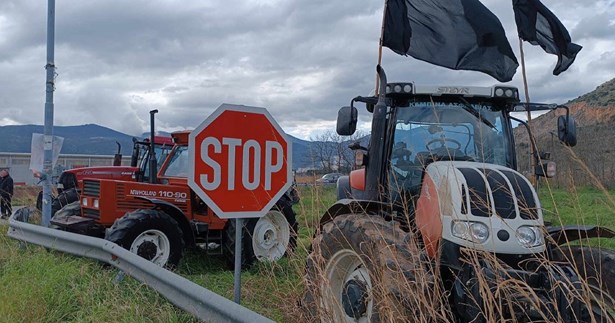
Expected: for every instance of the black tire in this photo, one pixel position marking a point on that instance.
(63, 199)
(135, 224)
(39, 201)
(248, 257)
(401, 286)
(597, 267)
(73, 208)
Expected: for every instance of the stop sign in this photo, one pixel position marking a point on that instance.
(241, 161)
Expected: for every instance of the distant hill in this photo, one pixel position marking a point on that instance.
(594, 113)
(85, 139)
(602, 96)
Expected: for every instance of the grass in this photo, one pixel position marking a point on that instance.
(580, 206)
(45, 286)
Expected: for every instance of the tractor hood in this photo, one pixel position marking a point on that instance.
(480, 206)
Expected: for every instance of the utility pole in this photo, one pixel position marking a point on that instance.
(48, 135)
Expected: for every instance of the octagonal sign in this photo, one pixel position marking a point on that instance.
(240, 161)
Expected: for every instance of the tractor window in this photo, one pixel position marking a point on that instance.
(429, 131)
(179, 163)
(161, 154)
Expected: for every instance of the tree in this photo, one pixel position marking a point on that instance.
(330, 151)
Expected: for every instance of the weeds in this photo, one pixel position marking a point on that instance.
(38, 285)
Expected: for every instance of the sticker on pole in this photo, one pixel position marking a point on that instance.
(240, 161)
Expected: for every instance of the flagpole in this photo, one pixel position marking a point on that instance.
(384, 12)
(534, 179)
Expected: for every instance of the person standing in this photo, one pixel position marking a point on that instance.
(6, 193)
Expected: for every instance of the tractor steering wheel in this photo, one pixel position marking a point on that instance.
(442, 142)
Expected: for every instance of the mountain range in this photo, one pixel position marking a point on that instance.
(92, 139)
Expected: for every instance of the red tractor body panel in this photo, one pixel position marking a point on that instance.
(121, 173)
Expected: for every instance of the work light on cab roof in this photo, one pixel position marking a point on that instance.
(504, 92)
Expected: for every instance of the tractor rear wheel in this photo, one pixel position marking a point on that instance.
(363, 268)
(63, 199)
(264, 239)
(70, 209)
(151, 234)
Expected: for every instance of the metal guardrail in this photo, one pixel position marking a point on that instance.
(193, 298)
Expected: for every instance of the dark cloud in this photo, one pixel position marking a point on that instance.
(301, 59)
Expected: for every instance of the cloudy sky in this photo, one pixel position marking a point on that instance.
(301, 59)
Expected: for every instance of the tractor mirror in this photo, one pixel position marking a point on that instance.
(347, 121)
(567, 130)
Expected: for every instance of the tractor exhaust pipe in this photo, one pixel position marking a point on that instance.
(376, 153)
(153, 167)
(117, 159)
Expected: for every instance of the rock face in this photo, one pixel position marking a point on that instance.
(593, 158)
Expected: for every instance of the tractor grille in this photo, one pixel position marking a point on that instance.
(91, 188)
(501, 194)
(480, 204)
(92, 214)
(525, 198)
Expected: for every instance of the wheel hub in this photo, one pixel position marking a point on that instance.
(354, 298)
(271, 236)
(147, 250)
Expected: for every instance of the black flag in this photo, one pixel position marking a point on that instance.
(539, 26)
(458, 34)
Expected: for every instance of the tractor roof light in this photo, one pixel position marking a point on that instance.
(500, 92)
(506, 92)
(399, 88)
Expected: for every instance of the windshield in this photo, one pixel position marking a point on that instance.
(161, 154)
(179, 163)
(429, 131)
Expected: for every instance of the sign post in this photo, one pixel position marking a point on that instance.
(240, 167)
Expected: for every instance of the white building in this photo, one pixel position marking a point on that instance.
(19, 165)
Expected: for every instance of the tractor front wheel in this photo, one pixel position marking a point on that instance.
(151, 234)
(597, 266)
(363, 268)
(264, 239)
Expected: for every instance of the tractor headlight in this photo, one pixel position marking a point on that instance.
(84, 202)
(95, 203)
(530, 236)
(476, 232)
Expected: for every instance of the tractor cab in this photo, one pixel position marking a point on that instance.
(419, 125)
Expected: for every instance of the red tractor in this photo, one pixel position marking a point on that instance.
(439, 206)
(159, 219)
(70, 180)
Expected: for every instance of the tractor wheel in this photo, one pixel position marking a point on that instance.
(363, 268)
(63, 199)
(73, 208)
(597, 267)
(151, 234)
(264, 239)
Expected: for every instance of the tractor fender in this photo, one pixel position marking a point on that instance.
(353, 206)
(565, 234)
(176, 214)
